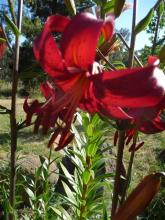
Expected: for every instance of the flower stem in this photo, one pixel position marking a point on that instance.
(84, 191)
(13, 122)
(133, 36)
(129, 171)
(155, 35)
(102, 13)
(119, 167)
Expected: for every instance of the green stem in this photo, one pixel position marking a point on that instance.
(119, 167)
(82, 208)
(12, 11)
(129, 171)
(13, 122)
(85, 189)
(133, 36)
(47, 185)
(156, 35)
(102, 14)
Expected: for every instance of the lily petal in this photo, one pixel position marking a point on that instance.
(79, 46)
(45, 48)
(47, 90)
(155, 126)
(131, 88)
(108, 28)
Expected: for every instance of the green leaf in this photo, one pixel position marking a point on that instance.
(105, 214)
(11, 7)
(144, 22)
(2, 40)
(160, 8)
(98, 2)
(118, 64)
(118, 7)
(67, 174)
(12, 26)
(109, 7)
(30, 193)
(61, 212)
(70, 4)
(162, 54)
(69, 194)
(91, 150)
(86, 176)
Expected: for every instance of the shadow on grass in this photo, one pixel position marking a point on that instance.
(30, 136)
(4, 138)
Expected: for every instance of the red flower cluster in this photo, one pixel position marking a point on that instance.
(128, 94)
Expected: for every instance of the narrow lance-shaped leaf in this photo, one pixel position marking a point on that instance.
(70, 4)
(86, 176)
(10, 3)
(109, 6)
(162, 54)
(61, 212)
(2, 40)
(141, 196)
(119, 4)
(12, 26)
(144, 22)
(160, 8)
(105, 214)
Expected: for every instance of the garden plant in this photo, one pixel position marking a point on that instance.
(93, 107)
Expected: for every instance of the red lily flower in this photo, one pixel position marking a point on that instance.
(72, 67)
(2, 45)
(45, 116)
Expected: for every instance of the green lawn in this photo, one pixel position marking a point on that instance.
(27, 141)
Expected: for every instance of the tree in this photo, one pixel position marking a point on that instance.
(156, 26)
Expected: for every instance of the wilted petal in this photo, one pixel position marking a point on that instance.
(45, 48)
(80, 37)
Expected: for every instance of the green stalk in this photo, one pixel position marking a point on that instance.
(133, 36)
(47, 185)
(155, 35)
(13, 122)
(129, 171)
(102, 14)
(118, 172)
(85, 190)
(82, 208)
(130, 64)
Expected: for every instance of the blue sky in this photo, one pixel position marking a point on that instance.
(125, 20)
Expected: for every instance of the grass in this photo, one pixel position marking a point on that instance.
(27, 141)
